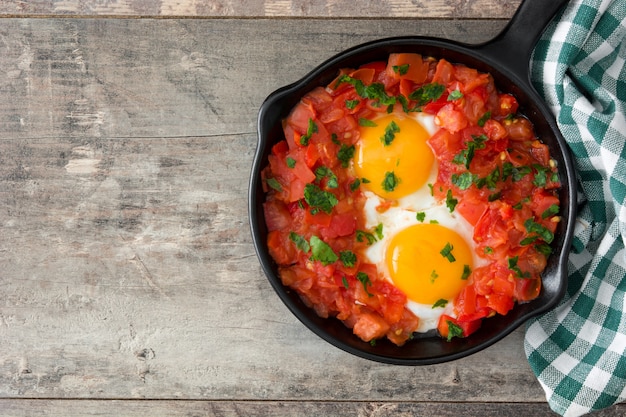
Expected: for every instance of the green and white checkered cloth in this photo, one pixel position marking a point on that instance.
(578, 350)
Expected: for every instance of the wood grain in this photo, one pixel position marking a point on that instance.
(128, 271)
(61, 408)
(454, 9)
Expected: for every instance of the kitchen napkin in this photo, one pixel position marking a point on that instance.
(577, 351)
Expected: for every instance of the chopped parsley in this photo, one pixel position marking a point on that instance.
(454, 330)
(345, 154)
(463, 180)
(488, 250)
(400, 69)
(304, 140)
(455, 95)
(490, 180)
(494, 196)
(390, 182)
(366, 122)
(324, 172)
(319, 199)
(433, 276)
(466, 155)
(291, 163)
(365, 280)
(374, 91)
(513, 267)
(300, 242)
(541, 177)
(321, 251)
(466, 272)
(351, 104)
(550, 211)
(440, 303)
(273, 183)
(390, 133)
(362, 235)
(533, 227)
(348, 258)
(421, 216)
(344, 281)
(446, 252)
(544, 249)
(481, 122)
(354, 185)
(516, 173)
(427, 93)
(451, 202)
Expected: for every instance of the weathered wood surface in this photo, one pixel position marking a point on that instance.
(128, 271)
(468, 9)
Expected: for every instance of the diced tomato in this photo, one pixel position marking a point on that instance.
(318, 99)
(435, 106)
(298, 278)
(470, 78)
(277, 215)
(378, 66)
(445, 144)
(540, 152)
(501, 303)
(340, 225)
(299, 117)
(520, 129)
(527, 289)
(507, 104)
(541, 201)
(443, 72)
(364, 74)
(407, 66)
(466, 327)
(280, 248)
(401, 331)
(494, 130)
(370, 326)
(471, 211)
(320, 218)
(451, 119)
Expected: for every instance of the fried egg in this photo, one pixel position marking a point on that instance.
(425, 250)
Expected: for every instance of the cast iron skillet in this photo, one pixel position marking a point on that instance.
(507, 58)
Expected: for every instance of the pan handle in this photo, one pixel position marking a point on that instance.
(513, 47)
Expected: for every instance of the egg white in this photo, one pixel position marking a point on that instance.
(404, 214)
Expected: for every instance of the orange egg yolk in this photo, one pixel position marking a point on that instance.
(429, 262)
(393, 158)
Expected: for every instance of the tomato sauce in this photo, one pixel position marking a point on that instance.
(491, 163)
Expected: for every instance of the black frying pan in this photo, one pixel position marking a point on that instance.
(507, 58)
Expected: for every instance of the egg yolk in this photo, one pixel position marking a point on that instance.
(429, 262)
(393, 156)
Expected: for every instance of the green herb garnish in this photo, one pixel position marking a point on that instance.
(365, 280)
(454, 330)
(455, 95)
(317, 198)
(390, 133)
(446, 252)
(427, 93)
(273, 183)
(390, 182)
(304, 140)
(300, 242)
(321, 251)
(348, 258)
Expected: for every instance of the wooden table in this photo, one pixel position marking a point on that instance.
(129, 282)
